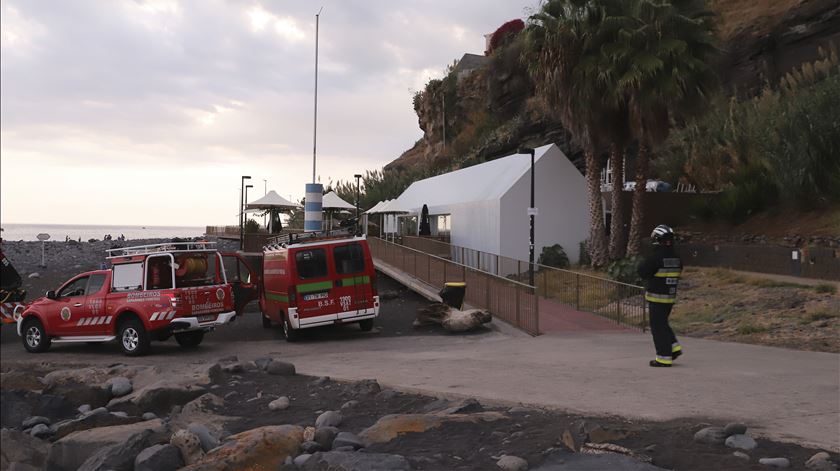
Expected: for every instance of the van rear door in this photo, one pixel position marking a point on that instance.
(353, 283)
(314, 290)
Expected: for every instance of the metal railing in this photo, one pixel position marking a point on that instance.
(620, 302)
(509, 299)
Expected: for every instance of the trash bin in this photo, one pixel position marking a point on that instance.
(453, 293)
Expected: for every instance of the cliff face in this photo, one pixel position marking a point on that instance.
(487, 107)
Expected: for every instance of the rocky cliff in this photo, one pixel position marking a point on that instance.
(485, 107)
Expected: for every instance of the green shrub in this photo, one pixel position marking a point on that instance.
(252, 226)
(554, 256)
(752, 191)
(825, 288)
(748, 329)
(583, 254)
(624, 270)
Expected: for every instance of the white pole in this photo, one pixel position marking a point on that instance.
(43, 259)
(315, 123)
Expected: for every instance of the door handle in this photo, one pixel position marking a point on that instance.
(77, 305)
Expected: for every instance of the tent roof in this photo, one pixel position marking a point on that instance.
(272, 201)
(375, 208)
(482, 182)
(333, 201)
(395, 207)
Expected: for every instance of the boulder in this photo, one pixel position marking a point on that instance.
(347, 439)
(742, 455)
(365, 387)
(119, 386)
(309, 434)
(121, 457)
(35, 420)
(820, 462)
(391, 426)
(325, 436)
(189, 445)
(84, 408)
(159, 458)
(20, 447)
(349, 404)
(512, 463)
(260, 448)
(775, 462)
(262, 362)
(149, 416)
(200, 411)
(78, 386)
(301, 460)
(71, 451)
(280, 368)
(330, 418)
(20, 380)
(311, 447)
(735, 428)
(158, 397)
(710, 435)
(742, 442)
(599, 434)
(208, 441)
(465, 406)
(86, 422)
(41, 431)
(281, 403)
(451, 319)
(351, 461)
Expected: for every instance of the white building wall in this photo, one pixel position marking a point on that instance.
(476, 225)
(563, 209)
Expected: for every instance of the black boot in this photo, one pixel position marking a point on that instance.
(676, 354)
(657, 364)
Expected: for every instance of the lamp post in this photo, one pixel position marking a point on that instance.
(357, 176)
(265, 192)
(241, 208)
(532, 211)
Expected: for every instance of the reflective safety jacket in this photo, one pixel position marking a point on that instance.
(661, 270)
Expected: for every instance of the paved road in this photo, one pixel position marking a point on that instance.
(782, 394)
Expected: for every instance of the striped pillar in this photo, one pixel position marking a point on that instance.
(312, 217)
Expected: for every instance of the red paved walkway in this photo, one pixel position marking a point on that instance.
(557, 317)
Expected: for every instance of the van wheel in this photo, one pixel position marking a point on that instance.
(189, 339)
(288, 332)
(266, 322)
(134, 340)
(366, 325)
(35, 338)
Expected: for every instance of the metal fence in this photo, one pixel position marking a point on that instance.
(508, 299)
(620, 302)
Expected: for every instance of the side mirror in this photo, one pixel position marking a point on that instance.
(51, 294)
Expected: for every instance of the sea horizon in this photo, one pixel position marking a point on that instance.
(59, 232)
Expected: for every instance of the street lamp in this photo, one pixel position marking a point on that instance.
(357, 176)
(241, 208)
(265, 192)
(532, 211)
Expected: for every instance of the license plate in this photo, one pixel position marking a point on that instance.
(206, 318)
(311, 297)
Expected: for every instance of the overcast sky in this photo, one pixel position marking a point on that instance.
(147, 112)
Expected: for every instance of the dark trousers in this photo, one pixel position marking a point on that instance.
(663, 336)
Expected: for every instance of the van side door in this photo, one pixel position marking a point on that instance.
(353, 284)
(243, 278)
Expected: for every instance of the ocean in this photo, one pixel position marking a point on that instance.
(14, 232)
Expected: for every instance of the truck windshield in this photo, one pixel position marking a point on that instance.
(196, 269)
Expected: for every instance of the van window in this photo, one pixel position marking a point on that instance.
(74, 289)
(349, 259)
(95, 283)
(311, 263)
(159, 272)
(127, 277)
(198, 269)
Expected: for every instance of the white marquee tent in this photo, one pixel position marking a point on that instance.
(487, 204)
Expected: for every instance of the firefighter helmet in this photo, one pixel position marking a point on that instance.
(662, 235)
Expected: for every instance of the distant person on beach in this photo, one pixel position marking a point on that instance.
(661, 270)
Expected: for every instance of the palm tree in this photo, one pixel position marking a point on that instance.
(661, 60)
(562, 57)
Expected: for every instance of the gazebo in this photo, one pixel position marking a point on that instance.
(273, 204)
(331, 203)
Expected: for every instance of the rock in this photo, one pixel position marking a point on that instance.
(71, 451)
(229, 359)
(311, 447)
(742, 455)
(119, 386)
(231, 395)
(349, 404)
(20, 447)
(325, 436)
(262, 362)
(735, 428)
(391, 426)
(77, 393)
(98, 411)
(387, 395)
(208, 441)
(149, 416)
(20, 380)
(120, 413)
(465, 406)
(35, 275)
(41, 431)
(775, 462)
(249, 366)
(743, 442)
(159, 458)
(301, 460)
(351, 461)
(309, 434)
(573, 438)
(34, 420)
(512, 463)
(521, 410)
(90, 421)
(84, 408)
(600, 434)
(366, 387)
(260, 448)
(345, 448)
(280, 403)
(321, 380)
(161, 396)
(347, 439)
(330, 418)
(280, 368)
(710, 435)
(120, 457)
(233, 368)
(820, 462)
(189, 445)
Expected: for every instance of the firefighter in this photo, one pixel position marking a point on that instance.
(661, 270)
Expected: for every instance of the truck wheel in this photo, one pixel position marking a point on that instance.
(134, 340)
(288, 332)
(266, 322)
(189, 339)
(35, 338)
(366, 325)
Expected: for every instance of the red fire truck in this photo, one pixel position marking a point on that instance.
(316, 279)
(150, 293)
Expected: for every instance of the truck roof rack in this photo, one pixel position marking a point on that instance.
(196, 246)
(293, 238)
